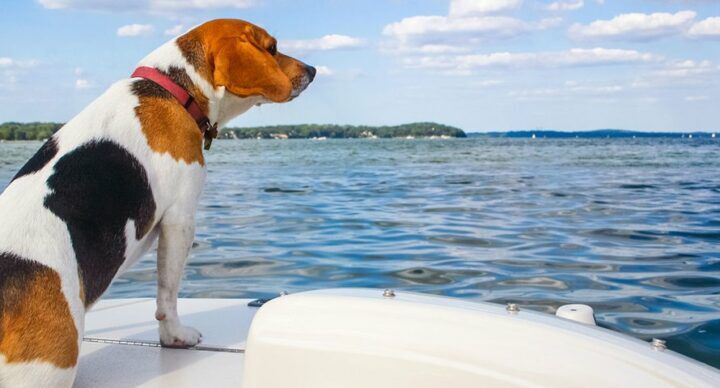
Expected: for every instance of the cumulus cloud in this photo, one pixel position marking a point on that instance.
(468, 24)
(708, 28)
(132, 30)
(325, 43)
(636, 26)
(461, 8)
(565, 5)
(175, 30)
(144, 5)
(569, 58)
(569, 89)
(7, 62)
(324, 71)
(687, 69)
(81, 81)
(429, 26)
(443, 34)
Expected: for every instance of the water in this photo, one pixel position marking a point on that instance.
(631, 227)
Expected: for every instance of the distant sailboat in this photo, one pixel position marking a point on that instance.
(690, 136)
(533, 136)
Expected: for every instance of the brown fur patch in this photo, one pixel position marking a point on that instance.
(191, 46)
(170, 129)
(35, 319)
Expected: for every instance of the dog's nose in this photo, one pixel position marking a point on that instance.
(311, 72)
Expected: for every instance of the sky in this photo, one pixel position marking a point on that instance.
(481, 65)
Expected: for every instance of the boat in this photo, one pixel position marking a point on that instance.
(373, 338)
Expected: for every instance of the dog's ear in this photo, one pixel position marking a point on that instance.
(247, 70)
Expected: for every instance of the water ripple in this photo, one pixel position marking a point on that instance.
(629, 227)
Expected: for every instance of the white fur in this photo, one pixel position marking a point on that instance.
(31, 231)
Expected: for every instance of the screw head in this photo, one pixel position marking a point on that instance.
(388, 293)
(659, 344)
(512, 307)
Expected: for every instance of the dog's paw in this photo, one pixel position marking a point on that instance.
(179, 336)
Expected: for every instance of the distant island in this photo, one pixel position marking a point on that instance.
(596, 134)
(39, 131)
(334, 131)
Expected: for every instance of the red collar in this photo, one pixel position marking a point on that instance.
(208, 130)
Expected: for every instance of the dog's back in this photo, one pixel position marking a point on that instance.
(65, 216)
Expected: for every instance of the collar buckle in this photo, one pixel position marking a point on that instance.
(210, 132)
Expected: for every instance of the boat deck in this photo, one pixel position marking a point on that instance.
(128, 354)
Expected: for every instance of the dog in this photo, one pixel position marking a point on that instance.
(125, 172)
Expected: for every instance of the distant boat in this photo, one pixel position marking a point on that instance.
(533, 136)
(690, 136)
(713, 135)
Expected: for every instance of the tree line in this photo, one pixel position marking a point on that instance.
(27, 131)
(335, 131)
(41, 131)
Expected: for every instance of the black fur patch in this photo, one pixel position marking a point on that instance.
(96, 190)
(39, 160)
(15, 275)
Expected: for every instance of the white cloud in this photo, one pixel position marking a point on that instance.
(175, 30)
(567, 90)
(475, 7)
(324, 71)
(636, 26)
(687, 69)
(135, 30)
(6, 62)
(708, 28)
(565, 5)
(444, 34)
(433, 27)
(326, 43)
(551, 59)
(144, 5)
(200, 4)
(82, 83)
(685, 73)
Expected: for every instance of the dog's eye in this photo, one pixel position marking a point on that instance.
(272, 49)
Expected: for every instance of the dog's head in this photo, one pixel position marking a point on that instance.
(244, 59)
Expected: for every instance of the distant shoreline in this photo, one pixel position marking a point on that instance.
(13, 131)
(596, 134)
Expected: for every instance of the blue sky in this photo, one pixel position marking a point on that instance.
(482, 65)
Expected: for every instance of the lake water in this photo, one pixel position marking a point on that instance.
(631, 227)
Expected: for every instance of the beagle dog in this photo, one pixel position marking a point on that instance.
(125, 172)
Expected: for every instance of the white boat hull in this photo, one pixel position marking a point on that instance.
(360, 338)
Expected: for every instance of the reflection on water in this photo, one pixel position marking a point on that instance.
(631, 227)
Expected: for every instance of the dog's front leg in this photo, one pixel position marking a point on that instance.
(173, 248)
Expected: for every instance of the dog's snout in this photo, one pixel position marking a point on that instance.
(311, 72)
